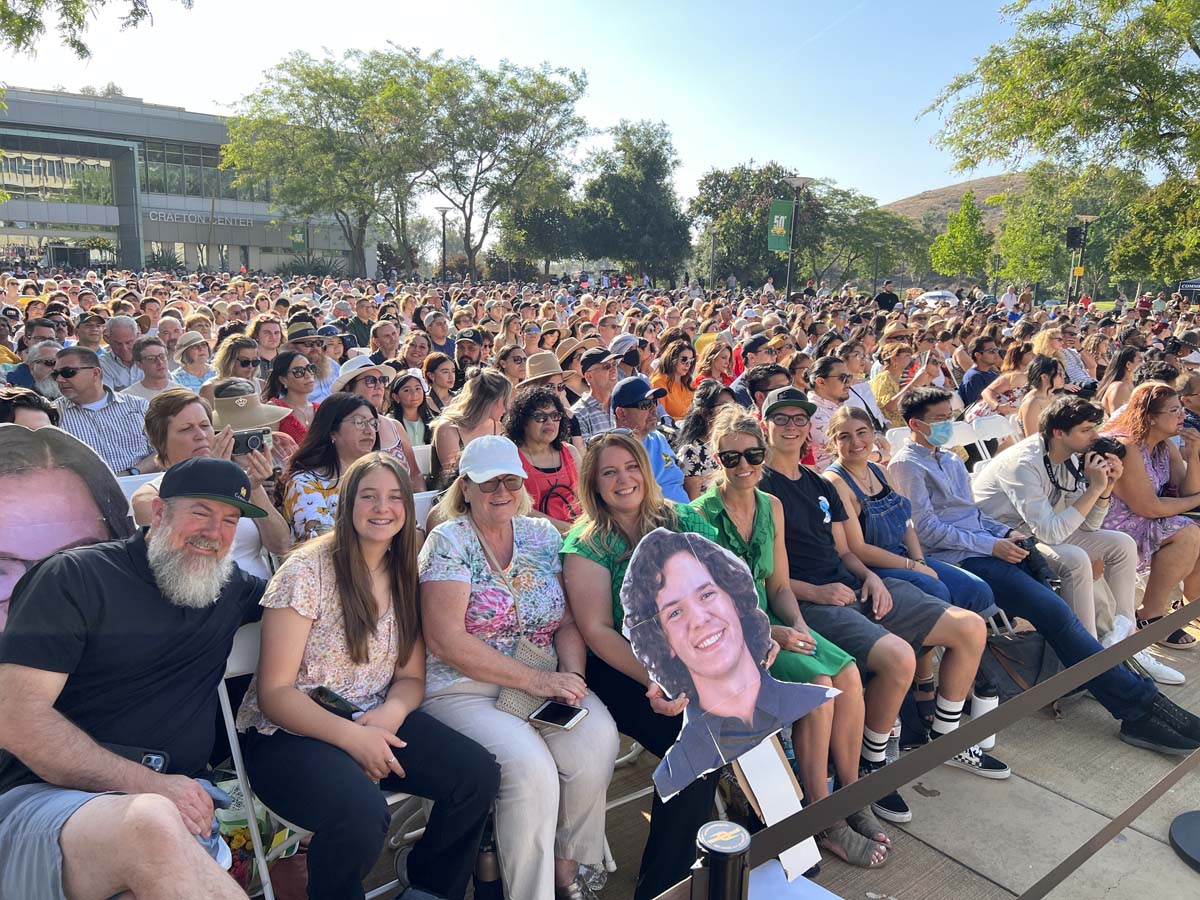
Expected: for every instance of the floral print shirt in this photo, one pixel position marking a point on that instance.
(307, 584)
(310, 501)
(452, 552)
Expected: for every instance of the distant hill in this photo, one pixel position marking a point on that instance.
(937, 203)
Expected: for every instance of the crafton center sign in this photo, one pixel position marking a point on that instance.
(156, 215)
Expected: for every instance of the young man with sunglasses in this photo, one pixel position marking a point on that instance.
(112, 424)
(150, 354)
(635, 406)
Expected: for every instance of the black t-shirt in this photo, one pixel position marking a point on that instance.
(810, 507)
(886, 301)
(141, 671)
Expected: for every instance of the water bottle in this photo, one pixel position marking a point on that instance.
(892, 753)
(984, 699)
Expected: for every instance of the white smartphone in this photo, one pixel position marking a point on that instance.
(558, 715)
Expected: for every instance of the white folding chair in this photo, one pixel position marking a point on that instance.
(130, 483)
(422, 504)
(994, 428)
(243, 660)
(424, 455)
(897, 436)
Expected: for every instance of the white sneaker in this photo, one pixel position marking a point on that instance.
(1159, 671)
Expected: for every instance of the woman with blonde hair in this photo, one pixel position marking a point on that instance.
(675, 377)
(490, 586)
(342, 615)
(750, 524)
(477, 410)
(236, 357)
(1159, 482)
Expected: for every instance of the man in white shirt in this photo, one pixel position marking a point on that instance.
(150, 354)
(1010, 298)
(831, 389)
(117, 365)
(1037, 486)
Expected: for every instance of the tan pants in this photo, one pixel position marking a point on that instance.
(553, 784)
(1072, 562)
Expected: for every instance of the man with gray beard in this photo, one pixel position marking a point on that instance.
(35, 371)
(108, 673)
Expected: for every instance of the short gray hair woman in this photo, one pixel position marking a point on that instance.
(553, 783)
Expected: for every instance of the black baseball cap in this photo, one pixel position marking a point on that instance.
(593, 357)
(633, 390)
(207, 478)
(755, 344)
(89, 317)
(787, 396)
(472, 335)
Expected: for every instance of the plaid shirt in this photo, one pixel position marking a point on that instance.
(117, 432)
(592, 417)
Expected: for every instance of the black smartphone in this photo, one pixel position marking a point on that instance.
(335, 702)
(248, 441)
(558, 715)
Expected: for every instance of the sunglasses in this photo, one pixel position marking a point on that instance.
(601, 435)
(43, 362)
(783, 419)
(517, 360)
(308, 345)
(512, 484)
(301, 371)
(543, 418)
(247, 363)
(69, 371)
(844, 378)
(732, 458)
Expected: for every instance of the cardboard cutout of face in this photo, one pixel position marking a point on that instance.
(692, 618)
(55, 493)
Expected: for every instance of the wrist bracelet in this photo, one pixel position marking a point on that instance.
(1104, 498)
(908, 563)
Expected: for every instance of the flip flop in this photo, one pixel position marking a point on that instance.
(865, 823)
(851, 847)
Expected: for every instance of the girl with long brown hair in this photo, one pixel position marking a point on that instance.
(341, 632)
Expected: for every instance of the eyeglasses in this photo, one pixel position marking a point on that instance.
(732, 458)
(687, 360)
(512, 484)
(308, 345)
(69, 371)
(363, 423)
(561, 387)
(533, 331)
(242, 363)
(371, 380)
(783, 419)
(644, 405)
(517, 360)
(844, 378)
(50, 363)
(603, 367)
(601, 435)
(542, 418)
(154, 358)
(301, 371)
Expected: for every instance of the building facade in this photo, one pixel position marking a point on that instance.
(116, 181)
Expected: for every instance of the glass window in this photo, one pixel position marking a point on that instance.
(174, 153)
(193, 183)
(154, 151)
(212, 183)
(156, 177)
(57, 178)
(228, 192)
(174, 179)
(191, 154)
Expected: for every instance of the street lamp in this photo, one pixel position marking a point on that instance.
(875, 269)
(443, 210)
(797, 183)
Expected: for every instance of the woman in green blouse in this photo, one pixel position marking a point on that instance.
(622, 503)
(750, 524)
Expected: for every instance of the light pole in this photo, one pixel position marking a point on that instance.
(1087, 221)
(797, 183)
(875, 269)
(443, 210)
(712, 259)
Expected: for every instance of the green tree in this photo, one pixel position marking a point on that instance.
(541, 223)
(632, 213)
(328, 135)
(496, 132)
(1163, 240)
(1105, 81)
(23, 22)
(964, 247)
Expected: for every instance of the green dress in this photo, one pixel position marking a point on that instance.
(614, 553)
(759, 554)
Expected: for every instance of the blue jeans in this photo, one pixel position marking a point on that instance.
(953, 585)
(1125, 695)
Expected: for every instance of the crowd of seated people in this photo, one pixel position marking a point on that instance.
(275, 435)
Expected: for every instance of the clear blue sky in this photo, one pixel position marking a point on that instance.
(830, 88)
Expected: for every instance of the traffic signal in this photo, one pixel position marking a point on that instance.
(1074, 237)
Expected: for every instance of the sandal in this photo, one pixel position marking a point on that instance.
(849, 846)
(864, 823)
(1178, 639)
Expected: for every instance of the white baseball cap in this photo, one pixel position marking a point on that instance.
(488, 456)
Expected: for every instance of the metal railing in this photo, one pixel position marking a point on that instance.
(735, 861)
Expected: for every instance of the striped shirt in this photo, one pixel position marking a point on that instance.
(592, 417)
(116, 431)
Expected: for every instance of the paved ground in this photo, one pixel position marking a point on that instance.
(974, 839)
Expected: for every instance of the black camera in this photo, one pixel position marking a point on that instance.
(1106, 446)
(248, 441)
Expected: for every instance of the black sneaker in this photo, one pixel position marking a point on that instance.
(890, 807)
(975, 761)
(1154, 732)
(1180, 719)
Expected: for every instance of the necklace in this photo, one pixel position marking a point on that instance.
(868, 488)
(744, 524)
